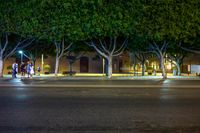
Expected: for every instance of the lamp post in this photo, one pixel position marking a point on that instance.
(21, 52)
(103, 66)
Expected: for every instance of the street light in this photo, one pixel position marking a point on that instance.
(21, 52)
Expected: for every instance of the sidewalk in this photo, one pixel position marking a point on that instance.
(96, 76)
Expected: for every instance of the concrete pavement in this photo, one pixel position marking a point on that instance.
(121, 76)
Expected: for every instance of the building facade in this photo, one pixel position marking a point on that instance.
(93, 63)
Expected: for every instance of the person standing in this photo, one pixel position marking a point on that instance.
(28, 69)
(38, 70)
(22, 70)
(14, 70)
(31, 70)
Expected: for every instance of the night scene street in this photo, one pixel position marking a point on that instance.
(47, 106)
(99, 66)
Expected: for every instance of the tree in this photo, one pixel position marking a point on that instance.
(108, 50)
(111, 25)
(8, 49)
(138, 50)
(37, 49)
(176, 55)
(76, 20)
(61, 49)
(168, 21)
(75, 53)
(161, 52)
(11, 21)
(57, 23)
(177, 60)
(134, 60)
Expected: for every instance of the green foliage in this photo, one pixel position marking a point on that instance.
(47, 68)
(79, 20)
(170, 19)
(113, 19)
(149, 68)
(138, 42)
(9, 67)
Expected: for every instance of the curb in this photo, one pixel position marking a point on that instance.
(102, 86)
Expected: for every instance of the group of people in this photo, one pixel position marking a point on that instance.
(29, 69)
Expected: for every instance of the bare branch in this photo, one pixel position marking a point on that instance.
(80, 55)
(19, 45)
(57, 46)
(114, 45)
(155, 46)
(6, 43)
(89, 44)
(163, 46)
(190, 50)
(97, 49)
(68, 46)
(61, 49)
(22, 45)
(103, 47)
(123, 46)
(110, 46)
(119, 53)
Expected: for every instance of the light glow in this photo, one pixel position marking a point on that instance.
(21, 52)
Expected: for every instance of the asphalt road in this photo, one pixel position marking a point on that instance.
(25, 108)
(80, 83)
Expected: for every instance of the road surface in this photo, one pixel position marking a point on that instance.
(25, 107)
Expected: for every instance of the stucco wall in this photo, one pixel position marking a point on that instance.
(96, 64)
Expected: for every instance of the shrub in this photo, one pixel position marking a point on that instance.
(9, 67)
(47, 68)
(149, 70)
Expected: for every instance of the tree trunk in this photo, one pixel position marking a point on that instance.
(134, 68)
(106, 67)
(1, 67)
(34, 66)
(143, 68)
(162, 62)
(133, 62)
(56, 66)
(109, 67)
(179, 69)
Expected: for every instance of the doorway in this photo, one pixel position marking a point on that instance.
(84, 63)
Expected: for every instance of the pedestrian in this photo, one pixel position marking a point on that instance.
(14, 70)
(28, 69)
(31, 69)
(38, 70)
(22, 67)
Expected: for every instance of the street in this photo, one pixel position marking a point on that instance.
(28, 106)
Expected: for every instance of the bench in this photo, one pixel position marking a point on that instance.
(70, 73)
(197, 74)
